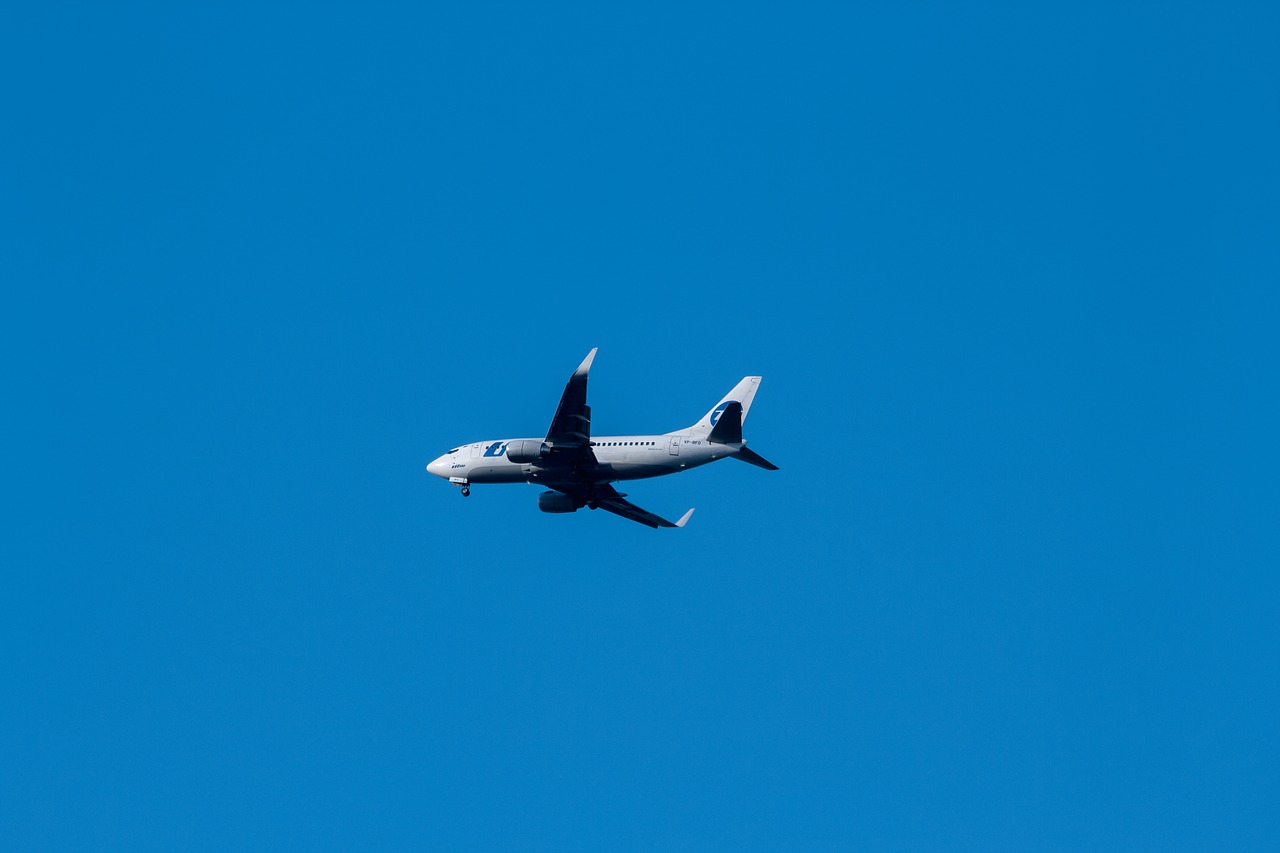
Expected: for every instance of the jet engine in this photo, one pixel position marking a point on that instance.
(556, 502)
(526, 451)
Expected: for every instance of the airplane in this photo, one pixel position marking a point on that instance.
(577, 469)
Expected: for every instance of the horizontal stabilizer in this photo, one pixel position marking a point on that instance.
(753, 458)
(728, 428)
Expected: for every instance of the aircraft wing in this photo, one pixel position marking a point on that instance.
(570, 440)
(608, 498)
(571, 427)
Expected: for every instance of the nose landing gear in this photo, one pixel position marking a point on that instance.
(466, 491)
(462, 482)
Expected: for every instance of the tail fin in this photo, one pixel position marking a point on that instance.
(744, 392)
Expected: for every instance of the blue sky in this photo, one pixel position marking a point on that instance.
(1010, 277)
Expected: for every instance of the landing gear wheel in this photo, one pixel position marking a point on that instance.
(466, 492)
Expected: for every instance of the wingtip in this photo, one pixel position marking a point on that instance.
(586, 362)
(684, 518)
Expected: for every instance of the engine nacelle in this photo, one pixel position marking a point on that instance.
(556, 502)
(527, 451)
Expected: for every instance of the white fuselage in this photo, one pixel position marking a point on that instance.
(620, 457)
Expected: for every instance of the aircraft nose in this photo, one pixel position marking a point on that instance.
(439, 467)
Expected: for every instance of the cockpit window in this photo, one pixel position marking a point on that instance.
(455, 450)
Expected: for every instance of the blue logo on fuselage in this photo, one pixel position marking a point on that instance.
(715, 416)
(498, 448)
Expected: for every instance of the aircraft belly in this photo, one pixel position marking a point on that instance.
(640, 471)
(497, 474)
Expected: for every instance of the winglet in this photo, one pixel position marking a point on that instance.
(684, 518)
(586, 363)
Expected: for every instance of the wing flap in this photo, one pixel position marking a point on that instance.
(728, 428)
